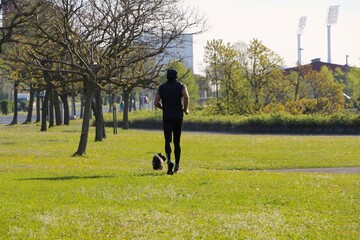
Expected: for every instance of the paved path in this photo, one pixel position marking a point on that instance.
(7, 119)
(348, 170)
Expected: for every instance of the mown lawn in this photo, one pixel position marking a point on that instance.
(223, 192)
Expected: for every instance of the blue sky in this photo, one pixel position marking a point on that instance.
(275, 23)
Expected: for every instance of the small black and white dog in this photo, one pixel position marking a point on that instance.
(158, 160)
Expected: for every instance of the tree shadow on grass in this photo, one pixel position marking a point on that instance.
(8, 143)
(65, 178)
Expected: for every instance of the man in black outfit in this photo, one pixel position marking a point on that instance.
(173, 98)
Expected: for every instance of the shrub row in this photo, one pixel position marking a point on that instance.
(281, 123)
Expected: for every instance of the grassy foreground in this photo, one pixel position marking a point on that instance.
(223, 192)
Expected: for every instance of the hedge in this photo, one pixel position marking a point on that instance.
(278, 123)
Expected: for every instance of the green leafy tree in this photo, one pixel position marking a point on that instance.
(277, 89)
(296, 78)
(353, 86)
(325, 90)
(261, 66)
(211, 59)
(226, 76)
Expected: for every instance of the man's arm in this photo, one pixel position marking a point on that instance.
(157, 102)
(186, 97)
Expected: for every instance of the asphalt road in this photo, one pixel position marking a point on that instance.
(7, 119)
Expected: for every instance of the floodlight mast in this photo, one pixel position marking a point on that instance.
(301, 27)
(331, 20)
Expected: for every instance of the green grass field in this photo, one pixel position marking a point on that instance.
(223, 191)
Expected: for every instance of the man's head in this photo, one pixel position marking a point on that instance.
(171, 74)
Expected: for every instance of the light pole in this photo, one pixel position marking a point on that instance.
(215, 75)
(301, 27)
(331, 20)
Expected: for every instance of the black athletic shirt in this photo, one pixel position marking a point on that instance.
(171, 94)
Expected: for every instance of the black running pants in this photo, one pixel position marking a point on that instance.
(172, 132)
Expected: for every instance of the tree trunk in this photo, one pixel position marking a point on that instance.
(45, 108)
(85, 124)
(57, 108)
(99, 116)
(296, 93)
(64, 99)
(126, 111)
(73, 106)
(111, 102)
(103, 124)
(38, 107)
(51, 107)
(140, 101)
(81, 106)
(16, 85)
(47, 112)
(130, 99)
(31, 104)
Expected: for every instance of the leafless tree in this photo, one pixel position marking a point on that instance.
(105, 42)
(16, 14)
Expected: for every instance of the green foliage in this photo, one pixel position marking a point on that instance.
(311, 106)
(353, 86)
(261, 67)
(345, 119)
(6, 106)
(298, 88)
(274, 108)
(251, 80)
(322, 85)
(226, 77)
(273, 122)
(225, 190)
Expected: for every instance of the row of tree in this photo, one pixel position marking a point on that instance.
(246, 79)
(62, 48)
(66, 47)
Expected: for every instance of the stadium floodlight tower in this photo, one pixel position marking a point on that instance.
(331, 20)
(301, 27)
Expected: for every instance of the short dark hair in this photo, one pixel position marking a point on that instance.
(171, 74)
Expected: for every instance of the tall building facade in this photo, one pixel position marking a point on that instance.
(181, 49)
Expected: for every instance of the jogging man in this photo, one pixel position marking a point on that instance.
(173, 98)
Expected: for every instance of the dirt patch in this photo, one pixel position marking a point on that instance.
(346, 170)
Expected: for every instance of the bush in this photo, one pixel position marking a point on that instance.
(312, 106)
(6, 106)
